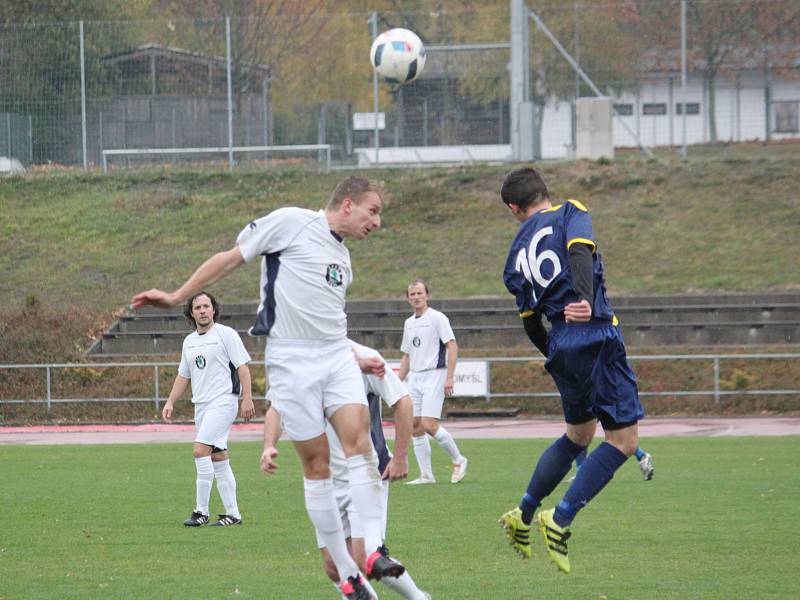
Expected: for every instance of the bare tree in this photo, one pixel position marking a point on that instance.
(722, 37)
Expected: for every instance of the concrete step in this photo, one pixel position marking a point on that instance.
(492, 336)
(399, 305)
(493, 322)
(633, 315)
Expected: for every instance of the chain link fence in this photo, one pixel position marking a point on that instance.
(245, 88)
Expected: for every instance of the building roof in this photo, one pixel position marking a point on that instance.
(179, 54)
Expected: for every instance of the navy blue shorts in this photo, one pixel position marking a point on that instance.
(591, 370)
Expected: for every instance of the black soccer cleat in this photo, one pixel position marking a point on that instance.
(197, 519)
(354, 589)
(380, 565)
(225, 520)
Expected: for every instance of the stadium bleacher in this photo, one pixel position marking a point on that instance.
(691, 320)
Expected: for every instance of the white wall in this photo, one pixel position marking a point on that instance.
(740, 114)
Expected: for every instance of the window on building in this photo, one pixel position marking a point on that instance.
(624, 110)
(654, 109)
(786, 117)
(692, 108)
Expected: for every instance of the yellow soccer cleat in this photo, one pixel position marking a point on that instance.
(519, 534)
(555, 539)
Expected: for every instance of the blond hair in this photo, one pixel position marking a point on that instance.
(355, 188)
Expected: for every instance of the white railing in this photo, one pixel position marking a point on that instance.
(217, 150)
(716, 392)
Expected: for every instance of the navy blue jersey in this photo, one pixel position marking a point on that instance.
(537, 270)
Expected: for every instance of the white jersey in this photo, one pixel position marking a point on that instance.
(425, 338)
(211, 360)
(305, 272)
(391, 389)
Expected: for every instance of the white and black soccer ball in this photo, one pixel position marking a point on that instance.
(398, 55)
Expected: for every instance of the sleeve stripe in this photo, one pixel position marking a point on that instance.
(578, 205)
(580, 241)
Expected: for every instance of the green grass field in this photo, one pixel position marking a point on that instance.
(719, 520)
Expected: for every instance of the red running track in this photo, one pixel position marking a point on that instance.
(461, 429)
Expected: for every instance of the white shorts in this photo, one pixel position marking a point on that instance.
(426, 389)
(350, 522)
(212, 422)
(308, 381)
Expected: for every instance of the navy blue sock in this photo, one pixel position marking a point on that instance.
(553, 465)
(592, 477)
(639, 453)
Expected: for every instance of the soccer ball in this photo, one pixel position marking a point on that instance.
(398, 55)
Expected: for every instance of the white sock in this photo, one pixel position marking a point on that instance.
(371, 589)
(422, 450)
(405, 586)
(447, 442)
(226, 486)
(205, 478)
(324, 514)
(366, 491)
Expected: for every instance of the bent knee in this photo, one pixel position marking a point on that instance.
(201, 450)
(625, 440)
(430, 425)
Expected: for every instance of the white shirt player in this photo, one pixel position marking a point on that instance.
(211, 360)
(425, 340)
(305, 272)
(389, 387)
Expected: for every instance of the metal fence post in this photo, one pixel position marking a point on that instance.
(83, 102)
(230, 90)
(683, 78)
(47, 369)
(488, 381)
(716, 380)
(157, 390)
(373, 21)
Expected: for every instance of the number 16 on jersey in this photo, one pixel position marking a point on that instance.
(529, 263)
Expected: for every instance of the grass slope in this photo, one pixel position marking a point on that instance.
(717, 521)
(712, 223)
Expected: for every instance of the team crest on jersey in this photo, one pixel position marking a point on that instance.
(334, 275)
(416, 342)
(200, 361)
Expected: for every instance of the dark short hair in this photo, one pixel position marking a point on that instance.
(524, 187)
(187, 309)
(355, 188)
(415, 282)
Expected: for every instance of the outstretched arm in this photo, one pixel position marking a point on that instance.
(215, 268)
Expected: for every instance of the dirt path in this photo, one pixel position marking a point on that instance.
(461, 429)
